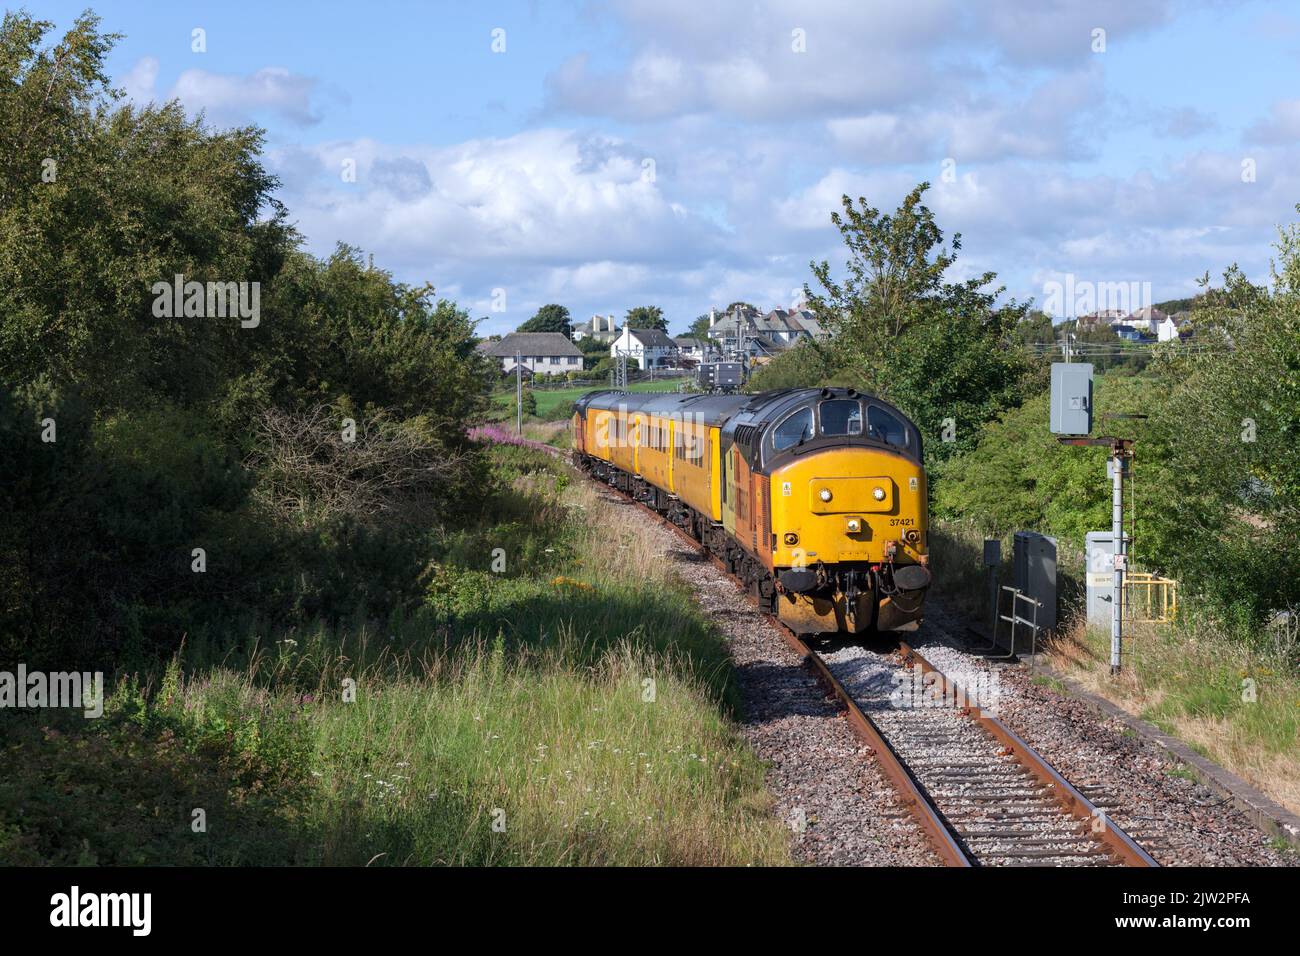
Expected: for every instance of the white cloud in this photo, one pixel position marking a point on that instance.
(138, 83)
(229, 99)
(543, 214)
(1282, 125)
(271, 89)
(1046, 124)
(1184, 122)
(740, 59)
(1051, 31)
(752, 145)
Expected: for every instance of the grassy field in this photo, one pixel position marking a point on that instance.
(1193, 679)
(571, 708)
(549, 400)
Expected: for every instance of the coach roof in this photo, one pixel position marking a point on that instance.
(711, 409)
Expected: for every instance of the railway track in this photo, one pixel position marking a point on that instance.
(999, 800)
(981, 794)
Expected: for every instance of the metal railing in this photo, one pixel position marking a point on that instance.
(1149, 598)
(1014, 618)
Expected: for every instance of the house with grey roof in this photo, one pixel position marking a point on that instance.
(807, 320)
(649, 348)
(1145, 321)
(744, 333)
(541, 353)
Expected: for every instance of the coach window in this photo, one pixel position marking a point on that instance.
(883, 426)
(797, 428)
(841, 416)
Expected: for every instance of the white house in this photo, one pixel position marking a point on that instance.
(1173, 327)
(602, 328)
(649, 348)
(696, 350)
(541, 353)
(1146, 320)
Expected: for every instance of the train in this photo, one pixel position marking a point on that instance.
(814, 498)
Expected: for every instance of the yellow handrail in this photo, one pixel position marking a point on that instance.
(1150, 598)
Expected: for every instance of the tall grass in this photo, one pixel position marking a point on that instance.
(571, 709)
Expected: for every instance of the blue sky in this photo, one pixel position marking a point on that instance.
(688, 154)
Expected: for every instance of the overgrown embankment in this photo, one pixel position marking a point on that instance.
(569, 707)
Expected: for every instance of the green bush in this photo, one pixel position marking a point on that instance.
(160, 447)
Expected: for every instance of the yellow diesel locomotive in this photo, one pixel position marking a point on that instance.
(815, 498)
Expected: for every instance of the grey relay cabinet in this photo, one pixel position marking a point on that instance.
(1034, 560)
(1071, 398)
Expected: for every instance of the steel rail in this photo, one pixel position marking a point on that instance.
(1070, 799)
(910, 793)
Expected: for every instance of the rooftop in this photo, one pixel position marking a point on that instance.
(654, 338)
(533, 343)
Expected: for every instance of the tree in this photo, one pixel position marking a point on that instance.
(593, 350)
(97, 204)
(700, 327)
(1036, 328)
(955, 374)
(738, 305)
(808, 364)
(48, 99)
(1226, 440)
(647, 317)
(158, 449)
(550, 318)
(895, 277)
(939, 350)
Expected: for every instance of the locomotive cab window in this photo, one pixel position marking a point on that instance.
(883, 426)
(797, 428)
(841, 416)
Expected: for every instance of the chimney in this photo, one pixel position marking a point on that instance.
(713, 317)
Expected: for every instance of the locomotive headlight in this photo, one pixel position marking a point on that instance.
(825, 494)
(854, 526)
(878, 493)
(791, 538)
(913, 536)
